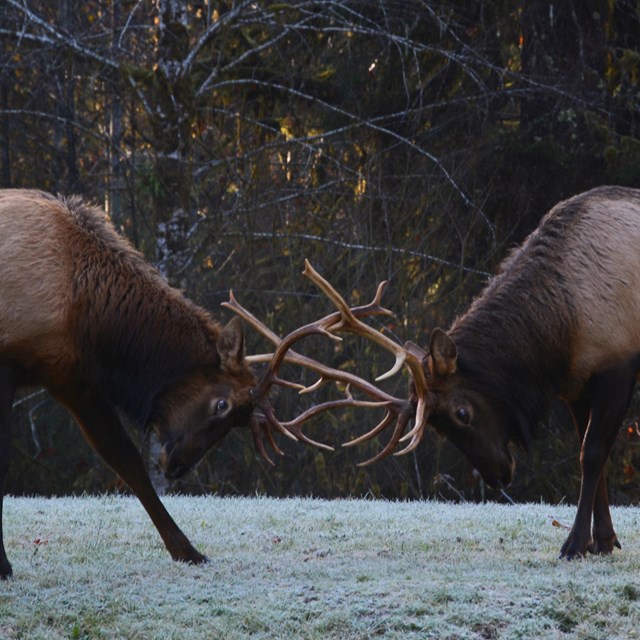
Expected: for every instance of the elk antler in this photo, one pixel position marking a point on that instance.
(410, 355)
(266, 421)
(346, 319)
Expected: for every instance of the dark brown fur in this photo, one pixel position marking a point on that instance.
(84, 315)
(561, 319)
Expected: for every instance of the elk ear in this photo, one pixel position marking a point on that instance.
(444, 353)
(230, 344)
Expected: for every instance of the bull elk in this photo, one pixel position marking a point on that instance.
(559, 320)
(82, 314)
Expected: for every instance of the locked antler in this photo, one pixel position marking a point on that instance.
(346, 320)
(265, 420)
(410, 355)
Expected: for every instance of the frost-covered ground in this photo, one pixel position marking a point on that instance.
(95, 568)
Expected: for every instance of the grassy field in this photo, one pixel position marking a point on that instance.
(95, 568)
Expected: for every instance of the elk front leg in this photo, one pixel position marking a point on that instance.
(6, 403)
(608, 395)
(107, 436)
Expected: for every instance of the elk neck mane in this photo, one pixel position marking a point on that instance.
(514, 341)
(139, 337)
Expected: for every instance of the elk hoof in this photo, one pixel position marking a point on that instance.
(199, 560)
(5, 570)
(190, 556)
(573, 548)
(571, 555)
(195, 558)
(604, 545)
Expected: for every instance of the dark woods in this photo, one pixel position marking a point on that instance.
(410, 141)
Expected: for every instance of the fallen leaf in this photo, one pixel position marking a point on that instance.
(557, 523)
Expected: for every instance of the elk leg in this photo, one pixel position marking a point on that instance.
(604, 536)
(104, 431)
(610, 394)
(6, 404)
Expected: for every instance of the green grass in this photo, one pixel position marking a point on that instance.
(95, 568)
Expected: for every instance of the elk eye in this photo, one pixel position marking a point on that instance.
(220, 406)
(463, 415)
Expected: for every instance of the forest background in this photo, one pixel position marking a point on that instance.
(413, 141)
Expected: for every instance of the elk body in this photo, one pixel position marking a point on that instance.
(561, 319)
(82, 314)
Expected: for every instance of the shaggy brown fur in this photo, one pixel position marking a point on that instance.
(559, 320)
(84, 315)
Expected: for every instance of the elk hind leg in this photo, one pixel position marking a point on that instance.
(608, 395)
(604, 537)
(6, 403)
(619, 386)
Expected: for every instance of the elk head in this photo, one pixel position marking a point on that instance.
(200, 411)
(466, 415)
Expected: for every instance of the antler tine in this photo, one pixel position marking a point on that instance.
(257, 426)
(371, 309)
(295, 425)
(349, 322)
(325, 372)
(262, 328)
(415, 434)
(401, 424)
(381, 426)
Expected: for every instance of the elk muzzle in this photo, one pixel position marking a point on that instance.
(181, 453)
(172, 461)
(496, 469)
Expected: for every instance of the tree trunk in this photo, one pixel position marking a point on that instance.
(563, 54)
(65, 131)
(171, 125)
(115, 179)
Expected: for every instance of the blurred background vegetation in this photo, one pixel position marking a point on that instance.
(409, 140)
